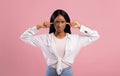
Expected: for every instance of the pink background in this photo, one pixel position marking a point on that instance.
(101, 58)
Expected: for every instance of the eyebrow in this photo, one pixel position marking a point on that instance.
(60, 21)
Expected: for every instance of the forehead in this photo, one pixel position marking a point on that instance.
(59, 18)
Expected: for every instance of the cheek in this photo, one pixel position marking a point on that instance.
(64, 26)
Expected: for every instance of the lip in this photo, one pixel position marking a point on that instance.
(59, 29)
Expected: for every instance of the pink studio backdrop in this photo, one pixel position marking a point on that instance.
(101, 58)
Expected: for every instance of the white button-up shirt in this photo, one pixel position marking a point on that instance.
(73, 44)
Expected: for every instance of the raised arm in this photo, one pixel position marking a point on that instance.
(28, 35)
(89, 36)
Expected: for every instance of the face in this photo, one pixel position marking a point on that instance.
(59, 23)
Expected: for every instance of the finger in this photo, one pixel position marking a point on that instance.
(51, 23)
(71, 23)
(68, 23)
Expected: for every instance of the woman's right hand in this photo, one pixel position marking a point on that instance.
(45, 24)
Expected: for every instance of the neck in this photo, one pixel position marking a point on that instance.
(60, 34)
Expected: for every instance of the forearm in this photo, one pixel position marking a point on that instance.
(29, 32)
(89, 36)
(88, 31)
(28, 37)
(38, 26)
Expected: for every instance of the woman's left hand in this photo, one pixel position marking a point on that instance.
(75, 24)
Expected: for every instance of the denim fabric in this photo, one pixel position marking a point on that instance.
(52, 71)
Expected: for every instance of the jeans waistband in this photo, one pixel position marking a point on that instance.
(50, 67)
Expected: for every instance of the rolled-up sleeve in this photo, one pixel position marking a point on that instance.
(89, 36)
(28, 37)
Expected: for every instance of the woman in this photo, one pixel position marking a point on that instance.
(60, 47)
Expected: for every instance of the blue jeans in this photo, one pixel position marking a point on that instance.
(52, 71)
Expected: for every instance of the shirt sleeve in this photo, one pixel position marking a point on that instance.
(28, 37)
(89, 36)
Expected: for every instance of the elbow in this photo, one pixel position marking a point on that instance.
(97, 36)
(22, 37)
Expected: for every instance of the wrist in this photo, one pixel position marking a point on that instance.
(79, 26)
(38, 27)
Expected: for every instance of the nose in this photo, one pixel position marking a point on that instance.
(59, 24)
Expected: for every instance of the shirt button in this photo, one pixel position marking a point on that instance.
(85, 31)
